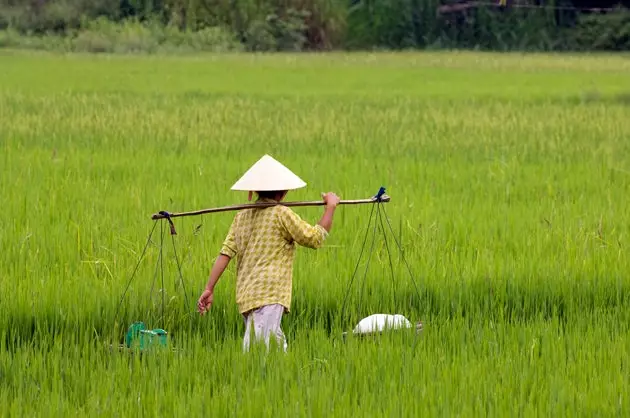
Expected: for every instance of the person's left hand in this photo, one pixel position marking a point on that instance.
(205, 301)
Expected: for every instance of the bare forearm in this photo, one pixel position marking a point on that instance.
(327, 218)
(218, 268)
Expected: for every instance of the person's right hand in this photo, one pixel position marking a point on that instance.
(205, 301)
(331, 199)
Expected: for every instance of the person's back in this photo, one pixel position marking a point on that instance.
(263, 241)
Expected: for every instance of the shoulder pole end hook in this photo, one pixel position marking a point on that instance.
(380, 194)
(170, 221)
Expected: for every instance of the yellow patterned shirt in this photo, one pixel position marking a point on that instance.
(263, 242)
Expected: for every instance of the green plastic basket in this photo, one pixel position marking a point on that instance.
(140, 337)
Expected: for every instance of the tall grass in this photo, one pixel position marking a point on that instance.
(508, 177)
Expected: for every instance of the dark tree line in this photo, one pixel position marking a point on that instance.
(355, 24)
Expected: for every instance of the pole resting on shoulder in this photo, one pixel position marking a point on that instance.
(167, 216)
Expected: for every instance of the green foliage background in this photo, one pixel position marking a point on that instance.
(298, 25)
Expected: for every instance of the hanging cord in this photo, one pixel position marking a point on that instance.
(190, 311)
(162, 274)
(379, 200)
(181, 276)
(157, 270)
(389, 256)
(380, 217)
(367, 266)
(367, 231)
(399, 245)
(380, 222)
(134, 271)
(179, 269)
(167, 216)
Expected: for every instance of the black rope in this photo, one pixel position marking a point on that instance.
(179, 269)
(159, 270)
(367, 266)
(378, 208)
(155, 275)
(191, 309)
(379, 221)
(134, 271)
(401, 253)
(389, 256)
(162, 273)
(367, 231)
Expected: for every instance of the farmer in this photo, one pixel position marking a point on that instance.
(263, 240)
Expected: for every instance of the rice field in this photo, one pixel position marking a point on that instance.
(509, 178)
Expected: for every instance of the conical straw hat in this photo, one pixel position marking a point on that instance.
(267, 175)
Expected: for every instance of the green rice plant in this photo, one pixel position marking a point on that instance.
(508, 176)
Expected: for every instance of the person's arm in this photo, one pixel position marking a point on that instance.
(327, 218)
(217, 270)
(207, 297)
(228, 251)
(332, 201)
(302, 232)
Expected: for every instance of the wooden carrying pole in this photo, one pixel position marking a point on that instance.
(381, 198)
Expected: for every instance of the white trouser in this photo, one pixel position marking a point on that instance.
(265, 321)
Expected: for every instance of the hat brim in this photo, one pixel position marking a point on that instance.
(267, 174)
